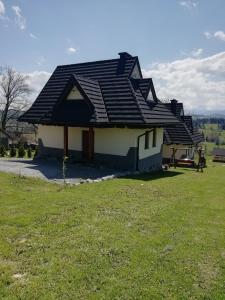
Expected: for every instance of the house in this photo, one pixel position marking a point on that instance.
(5, 138)
(218, 154)
(182, 140)
(101, 111)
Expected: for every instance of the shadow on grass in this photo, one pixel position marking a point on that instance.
(154, 175)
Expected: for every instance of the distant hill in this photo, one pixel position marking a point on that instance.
(15, 126)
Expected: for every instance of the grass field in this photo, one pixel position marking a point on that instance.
(150, 237)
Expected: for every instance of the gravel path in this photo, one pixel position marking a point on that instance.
(51, 170)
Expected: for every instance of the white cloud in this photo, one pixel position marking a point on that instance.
(71, 50)
(198, 82)
(33, 36)
(220, 35)
(197, 52)
(189, 4)
(2, 8)
(20, 20)
(207, 34)
(36, 81)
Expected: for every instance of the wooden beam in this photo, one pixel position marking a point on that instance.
(91, 144)
(66, 141)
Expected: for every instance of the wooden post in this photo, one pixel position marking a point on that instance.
(91, 144)
(65, 140)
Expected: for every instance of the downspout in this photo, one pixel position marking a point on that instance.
(138, 144)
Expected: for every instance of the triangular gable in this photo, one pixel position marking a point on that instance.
(136, 74)
(146, 87)
(72, 90)
(75, 94)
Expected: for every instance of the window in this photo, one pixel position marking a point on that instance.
(147, 140)
(154, 138)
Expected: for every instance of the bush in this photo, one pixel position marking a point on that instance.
(2, 151)
(29, 152)
(12, 151)
(21, 151)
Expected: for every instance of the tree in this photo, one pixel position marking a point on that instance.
(13, 94)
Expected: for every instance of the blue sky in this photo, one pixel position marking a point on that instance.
(38, 35)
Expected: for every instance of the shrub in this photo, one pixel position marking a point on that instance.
(2, 151)
(21, 151)
(12, 151)
(29, 152)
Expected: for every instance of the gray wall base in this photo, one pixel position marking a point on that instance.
(118, 162)
(151, 163)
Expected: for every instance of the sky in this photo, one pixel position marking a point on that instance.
(180, 43)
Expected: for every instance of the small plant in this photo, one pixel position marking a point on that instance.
(12, 151)
(29, 152)
(21, 151)
(2, 151)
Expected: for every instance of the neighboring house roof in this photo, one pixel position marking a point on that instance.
(176, 107)
(218, 152)
(113, 96)
(184, 132)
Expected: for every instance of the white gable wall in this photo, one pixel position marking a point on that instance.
(136, 73)
(74, 94)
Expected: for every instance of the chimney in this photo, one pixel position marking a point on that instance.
(174, 106)
(124, 55)
(122, 62)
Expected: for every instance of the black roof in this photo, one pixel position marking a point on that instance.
(112, 96)
(184, 132)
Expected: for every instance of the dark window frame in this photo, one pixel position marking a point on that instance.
(154, 138)
(147, 140)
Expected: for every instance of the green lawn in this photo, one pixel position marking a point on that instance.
(152, 237)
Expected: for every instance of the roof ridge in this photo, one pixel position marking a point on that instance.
(103, 100)
(135, 97)
(95, 61)
(77, 77)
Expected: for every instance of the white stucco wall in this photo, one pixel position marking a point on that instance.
(116, 141)
(75, 138)
(143, 153)
(51, 136)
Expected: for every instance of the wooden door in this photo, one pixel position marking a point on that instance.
(88, 144)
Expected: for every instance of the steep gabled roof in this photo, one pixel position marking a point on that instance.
(176, 109)
(178, 135)
(116, 98)
(184, 132)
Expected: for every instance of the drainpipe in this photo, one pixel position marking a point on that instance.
(138, 144)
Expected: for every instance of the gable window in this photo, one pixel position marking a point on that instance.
(147, 140)
(154, 137)
(75, 94)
